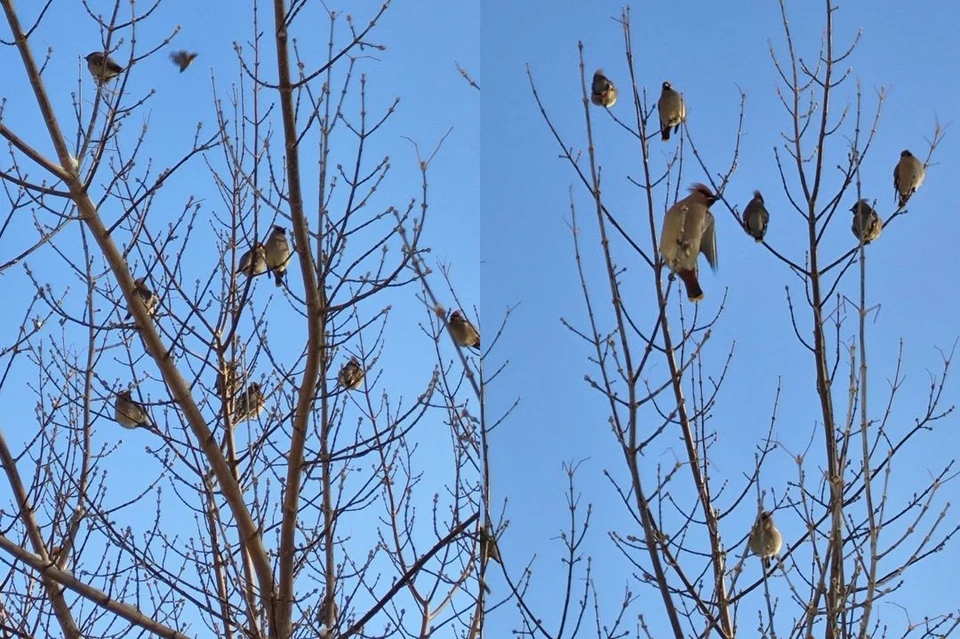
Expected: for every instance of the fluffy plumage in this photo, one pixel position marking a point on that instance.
(688, 230)
(462, 330)
(102, 67)
(756, 218)
(672, 110)
(907, 177)
(867, 225)
(602, 91)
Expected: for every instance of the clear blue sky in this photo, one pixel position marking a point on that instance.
(706, 50)
(500, 214)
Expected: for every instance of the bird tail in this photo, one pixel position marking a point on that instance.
(903, 200)
(278, 275)
(665, 133)
(694, 292)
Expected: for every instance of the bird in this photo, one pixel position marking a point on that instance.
(253, 262)
(462, 330)
(129, 413)
(351, 375)
(102, 67)
(907, 177)
(329, 611)
(183, 59)
(688, 230)
(249, 404)
(672, 110)
(146, 296)
(278, 253)
(229, 380)
(488, 546)
(602, 91)
(867, 225)
(756, 218)
(765, 540)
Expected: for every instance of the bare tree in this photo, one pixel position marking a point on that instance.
(849, 541)
(291, 484)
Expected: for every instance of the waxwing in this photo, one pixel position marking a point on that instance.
(672, 111)
(351, 375)
(253, 262)
(602, 92)
(765, 540)
(488, 546)
(462, 330)
(129, 413)
(756, 218)
(278, 253)
(183, 59)
(248, 404)
(907, 177)
(688, 230)
(146, 296)
(102, 67)
(867, 225)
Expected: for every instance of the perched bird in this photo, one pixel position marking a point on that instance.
(329, 611)
(867, 225)
(756, 218)
(488, 546)
(278, 253)
(229, 380)
(351, 375)
(253, 262)
(103, 67)
(602, 91)
(249, 404)
(907, 176)
(129, 413)
(672, 110)
(183, 59)
(462, 330)
(146, 296)
(688, 230)
(765, 540)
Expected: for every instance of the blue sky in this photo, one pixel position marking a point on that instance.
(500, 214)
(707, 50)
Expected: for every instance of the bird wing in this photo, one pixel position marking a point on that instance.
(670, 233)
(708, 241)
(896, 180)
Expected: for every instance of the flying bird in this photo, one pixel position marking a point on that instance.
(278, 253)
(867, 225)
(129, 413)
(102, 67)
(688, 230)
(146, 296)
(756, 218)
(351, 375)
(253, 262)
(672, 110)
(462, 330)
(249, 404)
(907, 177)
(183, 59)
(602, 91)
(765, 540)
